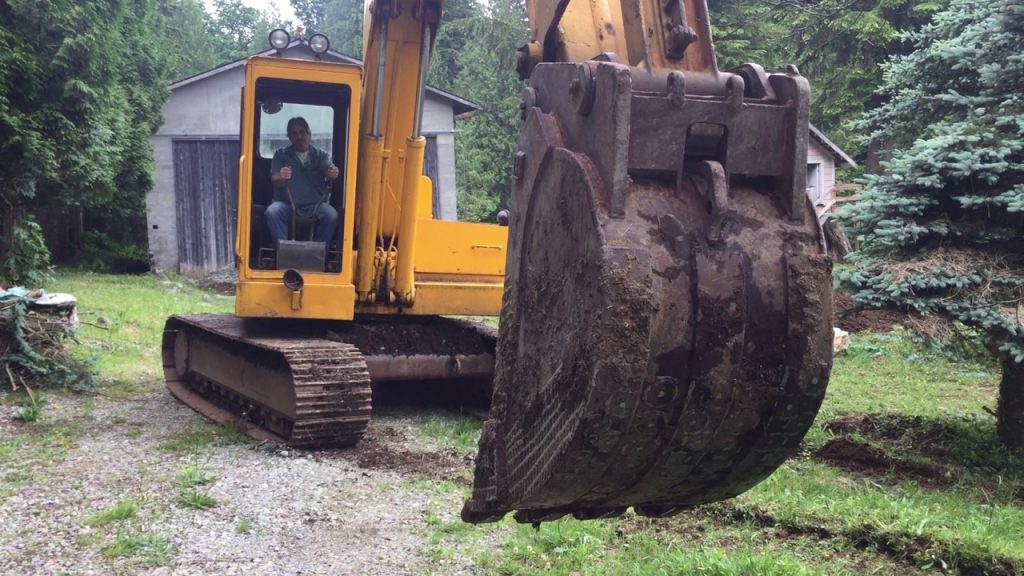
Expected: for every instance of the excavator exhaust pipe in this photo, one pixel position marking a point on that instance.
(674, 347)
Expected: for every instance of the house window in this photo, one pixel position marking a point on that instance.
(815, 186)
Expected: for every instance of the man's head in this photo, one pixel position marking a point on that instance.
(298, 134)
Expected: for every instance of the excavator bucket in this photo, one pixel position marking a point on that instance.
(665, 338)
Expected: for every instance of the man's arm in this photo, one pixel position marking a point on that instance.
(330, 171)
(279, 172)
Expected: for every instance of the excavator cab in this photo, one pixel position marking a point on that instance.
(326, 108)
(326, 96)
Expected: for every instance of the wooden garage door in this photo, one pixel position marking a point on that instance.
(206, 202)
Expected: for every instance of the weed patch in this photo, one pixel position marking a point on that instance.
(186, 485)
(149, 549)
(195, 500)
(203, 437)
(123, 510)
(31, 409)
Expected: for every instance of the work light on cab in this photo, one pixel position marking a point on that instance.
(319, 43)
(279, 38)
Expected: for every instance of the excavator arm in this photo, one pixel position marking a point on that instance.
(665, 336)
(398, 34)
(650, 34)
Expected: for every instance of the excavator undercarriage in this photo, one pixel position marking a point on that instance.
(309, 383)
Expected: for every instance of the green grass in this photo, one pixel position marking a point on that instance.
(150, 549)
(244, 526)
(890, 373)
(811, 517)
(689, 544)
(196, 500)
(122, 322)
(455, 431)
(123, 510)
(25, 456)
(958, 520)
(192, 476)
(205, 436)
(186, 484)
(489, 321)
(12, 481)
(440, 487)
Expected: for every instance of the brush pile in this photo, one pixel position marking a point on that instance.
(34, 328)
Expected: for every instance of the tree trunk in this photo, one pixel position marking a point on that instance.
(1011, 404)
(9, 214)
(836, 239)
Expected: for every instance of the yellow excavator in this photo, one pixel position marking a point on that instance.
(662, 284)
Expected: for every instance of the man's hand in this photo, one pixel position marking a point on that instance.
(286, 173)
(332, 173)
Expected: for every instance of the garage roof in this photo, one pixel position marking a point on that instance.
(459, 105)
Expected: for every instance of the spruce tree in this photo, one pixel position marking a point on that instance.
(942, 229)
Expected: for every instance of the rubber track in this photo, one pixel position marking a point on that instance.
(331, 385)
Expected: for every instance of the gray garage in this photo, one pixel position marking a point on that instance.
(191, 208)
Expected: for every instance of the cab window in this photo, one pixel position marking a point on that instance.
(274, 124)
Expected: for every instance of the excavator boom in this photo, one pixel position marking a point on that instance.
(665, 338)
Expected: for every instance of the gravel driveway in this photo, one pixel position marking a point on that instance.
(275, 511)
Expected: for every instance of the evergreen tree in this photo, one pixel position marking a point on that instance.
(486, 75)
(839, 45)
(79, 97)
(343, 24)
(742, 33)
(240, 30)
(942, 230)
(191, 48)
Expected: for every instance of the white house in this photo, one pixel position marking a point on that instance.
(823, 156)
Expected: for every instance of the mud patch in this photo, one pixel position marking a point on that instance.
(847, 317)
(850, 423)
(859, 457)
(404, 336)
(383, 449)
